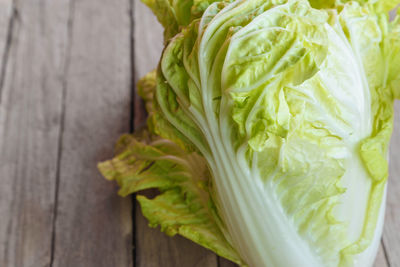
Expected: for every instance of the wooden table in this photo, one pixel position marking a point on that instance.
(67, 76)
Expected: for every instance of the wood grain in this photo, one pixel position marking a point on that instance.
(30, 120)
(391, 232)
(380, 260)
(225, 263)
(147, 46)
(94, 224)
(153, 248)
(7, 18)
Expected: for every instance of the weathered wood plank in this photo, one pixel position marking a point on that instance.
(6, 13)
(6, 7)
(148, 45)
(153, 248)
(391, 233)
(7, 17)
(30, 119)
(392, 13)
(225, 263)
(93, 224)
(380, 260)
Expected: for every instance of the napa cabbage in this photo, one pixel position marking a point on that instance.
(268, 129)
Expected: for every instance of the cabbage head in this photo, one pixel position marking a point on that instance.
(268, 130)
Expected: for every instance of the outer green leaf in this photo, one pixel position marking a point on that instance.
(184, 205)
(146, 88)
(173, 14)
(367, 32)
(157, 122)
(378, 5)
(280, 48)
(320, 4)
(392, 46)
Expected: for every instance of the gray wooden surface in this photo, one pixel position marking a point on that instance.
(67, 75)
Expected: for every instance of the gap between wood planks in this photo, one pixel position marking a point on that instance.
(70, 26)
(385, 254)
(132, 116)
(7, 46)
